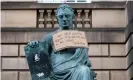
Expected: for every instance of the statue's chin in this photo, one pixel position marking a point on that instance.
(65, 28)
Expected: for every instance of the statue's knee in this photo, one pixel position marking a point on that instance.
(83, 69)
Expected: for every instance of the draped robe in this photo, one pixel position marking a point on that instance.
(66, 64)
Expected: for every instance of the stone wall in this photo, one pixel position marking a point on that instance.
(129, 40)
(106, 38)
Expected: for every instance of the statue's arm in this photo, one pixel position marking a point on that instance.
(47, 40)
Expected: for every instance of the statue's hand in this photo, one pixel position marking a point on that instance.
(33, 44)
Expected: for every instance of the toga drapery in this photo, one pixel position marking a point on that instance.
(66, 64)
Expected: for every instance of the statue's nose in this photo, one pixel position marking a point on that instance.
(64, 18)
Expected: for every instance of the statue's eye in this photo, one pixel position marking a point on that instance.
(66, 16)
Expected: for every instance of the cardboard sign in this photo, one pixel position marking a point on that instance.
(69, 38)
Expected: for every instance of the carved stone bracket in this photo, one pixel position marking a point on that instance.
(41, 19)
(49, 19)
(79, 19)
(55, 21)
(86, 20)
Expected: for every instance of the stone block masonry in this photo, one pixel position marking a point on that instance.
(109, 38)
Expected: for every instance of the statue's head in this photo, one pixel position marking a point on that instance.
(65, 16)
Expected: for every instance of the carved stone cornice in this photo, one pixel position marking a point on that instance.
(35, 5)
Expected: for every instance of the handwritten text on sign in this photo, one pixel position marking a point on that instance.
(67, 39)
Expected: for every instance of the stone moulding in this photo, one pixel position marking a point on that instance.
(35, 5)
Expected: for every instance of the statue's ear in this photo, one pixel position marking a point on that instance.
(56, 18)
(73, 16)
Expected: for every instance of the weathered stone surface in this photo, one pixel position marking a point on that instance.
(9, 75)
(102, 75)
(33, 5)
(93, 37)
(97, 63)
(110, 37)
(98, 50)
(3, 18)
(107, 0)
(21, 37)
(19, 18)
(129, 44)
(8, 37)
(108, 18)
(108, 63)
(128, 30)
(130, 72)
(118, 75)
(22, 52)
(18, 0)
(130, 58)
(14, 63)
(24, 75)
(9, 50)
(117, 50)
(36, 0)
(129, 7)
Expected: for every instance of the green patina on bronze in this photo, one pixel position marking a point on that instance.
(67, 64)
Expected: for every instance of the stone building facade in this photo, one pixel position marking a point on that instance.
(108, 26)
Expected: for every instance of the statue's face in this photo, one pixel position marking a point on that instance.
(65, 18)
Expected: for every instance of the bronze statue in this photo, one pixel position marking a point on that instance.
(67, 64)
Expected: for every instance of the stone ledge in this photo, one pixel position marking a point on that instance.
(98, 50)
(94, 50)
(130, 58)
(93, 35)
(128, 31)
(129, 44)
(21, 29)
(21, 37)
(130, 72)
(18, 0)
(35, 5)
